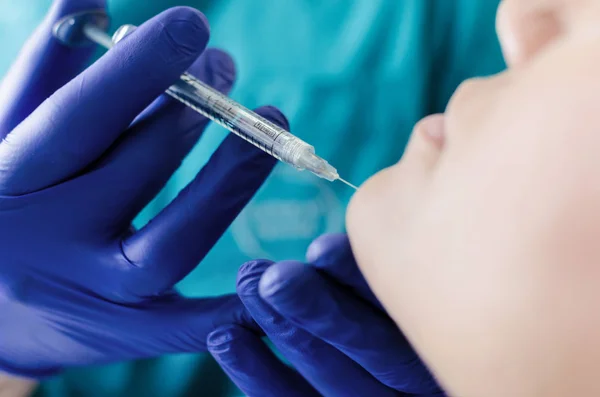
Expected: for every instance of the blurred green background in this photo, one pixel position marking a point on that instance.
(353, 77)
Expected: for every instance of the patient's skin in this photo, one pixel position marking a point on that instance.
(15, 387)
(483, 242)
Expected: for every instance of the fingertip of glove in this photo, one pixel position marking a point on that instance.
(220, 64)
(325, 245)
(216, 68)
(186, 28)
(220, 341)
(186, 14)
(279, 279)
(223, 343)
(249, 275)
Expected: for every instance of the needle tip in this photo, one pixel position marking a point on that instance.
(348, 183)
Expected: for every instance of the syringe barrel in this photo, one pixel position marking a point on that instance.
(248, 125)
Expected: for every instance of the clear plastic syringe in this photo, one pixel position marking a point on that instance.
(207, 101)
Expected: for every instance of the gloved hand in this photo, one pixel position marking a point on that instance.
(325, 320)
(78, 285)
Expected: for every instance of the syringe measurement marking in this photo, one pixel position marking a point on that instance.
(221, 106)
(264, 128)
(224, 111)
(210, 112)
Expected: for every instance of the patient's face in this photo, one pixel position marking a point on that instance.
(496, 206)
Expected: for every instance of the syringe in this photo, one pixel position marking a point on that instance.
(276, 141)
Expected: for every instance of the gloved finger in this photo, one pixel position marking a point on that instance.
(81, 120)
(100, 332)
(182, 325)
(253, 367)
(170, 246)
(146, 157)
(329, 370)
(171, 324)
(301, 295)
(43, 66)
(332, 254)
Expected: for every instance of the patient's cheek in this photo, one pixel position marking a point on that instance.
(381, 211)
(361, 218)
(373, 218)
(361, 209)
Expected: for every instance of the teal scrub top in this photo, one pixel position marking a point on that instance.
(353, 76)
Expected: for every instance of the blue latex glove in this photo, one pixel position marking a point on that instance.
(78, 285)
(326, 321)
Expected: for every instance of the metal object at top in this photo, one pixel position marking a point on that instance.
(70, 29)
